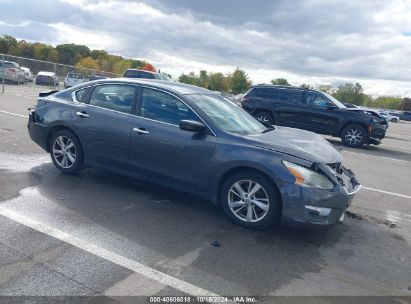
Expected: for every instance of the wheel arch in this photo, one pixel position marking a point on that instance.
(57, 128)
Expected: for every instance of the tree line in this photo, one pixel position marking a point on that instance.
(72, 54)
(235, 83)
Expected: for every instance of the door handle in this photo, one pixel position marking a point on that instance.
(82, 114)
(141, 131)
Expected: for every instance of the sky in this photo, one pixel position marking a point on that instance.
(310, 41)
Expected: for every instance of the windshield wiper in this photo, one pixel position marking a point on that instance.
(268, 129)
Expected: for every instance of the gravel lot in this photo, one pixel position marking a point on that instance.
(104, 234)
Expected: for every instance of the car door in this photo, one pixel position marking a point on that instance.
(289, 108)
(321, 115)
(160, 150)
(102, 120)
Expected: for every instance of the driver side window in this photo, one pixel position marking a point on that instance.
(164, 107)
(315, 99)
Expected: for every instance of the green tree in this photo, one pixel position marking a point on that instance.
(350, 93)
(6, 42)
(88, 63)
(217, 82)
(203, 79)
(326, 88)
(388, 102)
(71, 53)
(239, 82)
(189, 78)
(280, 81)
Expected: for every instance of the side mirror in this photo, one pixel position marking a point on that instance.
(331, 107)
(192, 126)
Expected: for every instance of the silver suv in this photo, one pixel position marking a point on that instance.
(73, 79)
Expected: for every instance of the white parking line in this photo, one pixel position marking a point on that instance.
(387, 192)
(382, 157)
(115, 258)
(15, 114)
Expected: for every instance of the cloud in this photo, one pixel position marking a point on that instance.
(308, 41)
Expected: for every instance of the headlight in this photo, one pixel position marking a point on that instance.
(309, 178)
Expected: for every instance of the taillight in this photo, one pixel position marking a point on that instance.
(12, 70)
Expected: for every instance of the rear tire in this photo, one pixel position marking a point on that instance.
(354, 136)
(394, 120)
(265, 117)
(256, 210)
(66, 152)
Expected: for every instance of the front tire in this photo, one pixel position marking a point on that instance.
(66, 152)
(354, 136)
(251, 200)
(264, 117)
(394, 120)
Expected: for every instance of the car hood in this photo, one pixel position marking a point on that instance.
(303, 144)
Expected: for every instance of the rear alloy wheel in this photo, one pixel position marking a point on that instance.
(251, 200)
(66, 152)
(394, 120)
(265, 117)
(354, 136)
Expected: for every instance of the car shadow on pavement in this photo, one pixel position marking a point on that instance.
(173, 232)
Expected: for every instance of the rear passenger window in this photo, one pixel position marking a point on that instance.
(266, 93)
(292, 96)
(80, 94)
(114, 97)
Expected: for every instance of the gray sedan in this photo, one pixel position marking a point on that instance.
(197, 141)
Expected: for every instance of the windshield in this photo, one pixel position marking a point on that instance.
(338, 103)
(227, 115)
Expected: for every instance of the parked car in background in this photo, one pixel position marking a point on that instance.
(313, 111)
(160, 131)
(96, 77)
(134, 73)
(390, 117)
(405, 115)
(73, 79)
(11, 72)
(28, 75)
(47, 78)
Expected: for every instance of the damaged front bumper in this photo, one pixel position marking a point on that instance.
(303, 206)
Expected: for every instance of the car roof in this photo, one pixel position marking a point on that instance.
(277, 86)
(174, 87)
(46, 73)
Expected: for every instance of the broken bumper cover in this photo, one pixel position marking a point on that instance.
(303, 206)
(376, 134)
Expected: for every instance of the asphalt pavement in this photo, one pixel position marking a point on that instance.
(102, 234)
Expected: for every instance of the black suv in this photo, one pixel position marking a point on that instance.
(134, 73)
(314, 111)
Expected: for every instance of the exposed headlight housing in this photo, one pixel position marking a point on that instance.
(307, 177)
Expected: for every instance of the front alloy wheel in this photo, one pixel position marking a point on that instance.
(251, 200)
(354, 136)
(248, 201)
